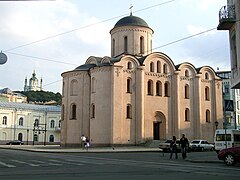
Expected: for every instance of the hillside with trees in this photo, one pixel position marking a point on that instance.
(42, 96)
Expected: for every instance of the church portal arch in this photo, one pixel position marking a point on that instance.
(159, 126)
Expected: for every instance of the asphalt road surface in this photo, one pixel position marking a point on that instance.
(19, 165)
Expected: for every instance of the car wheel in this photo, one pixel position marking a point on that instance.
(202, 149)
(212, 149)
(229, 160)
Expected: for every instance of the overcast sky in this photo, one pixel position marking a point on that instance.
(53, 37)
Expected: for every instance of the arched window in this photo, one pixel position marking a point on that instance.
(73, 111)
(93, 85)
(125, 44)
(166, 89)
(35, 137)
(151, 67)
(158, 67)
(150, 87)
(159, 88)
(187, 114)
(36, 123)
(207, 116)
(129, 85)
(20, 136)
(129, 111)
(129, 65)
(113, 47)
(207, 97)
(59, 123)
(206, 76)
(141, 45)
(4, 121)
(93, 111)
(52, 124)
(73, 88)
(165, 68)
(186, 89)
(20, 122)
(186, 73)
(51, 138)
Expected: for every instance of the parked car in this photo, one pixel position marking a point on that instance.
(230, 155)
(165, 146)
(201, 145)
(15, 142)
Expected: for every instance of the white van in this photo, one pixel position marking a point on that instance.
(232, 139)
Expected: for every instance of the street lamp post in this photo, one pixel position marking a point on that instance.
(27, 135)
(38, 129)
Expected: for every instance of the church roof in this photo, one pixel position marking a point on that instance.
(131, 21)
(85, 67)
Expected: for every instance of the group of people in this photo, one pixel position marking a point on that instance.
(184, 144)
(85, 143)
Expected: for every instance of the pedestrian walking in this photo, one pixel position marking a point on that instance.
(83, 141)
(184, 145)
(173, 147)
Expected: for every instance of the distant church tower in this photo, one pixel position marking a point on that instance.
(33, 83)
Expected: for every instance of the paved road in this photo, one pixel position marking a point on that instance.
(115, 166)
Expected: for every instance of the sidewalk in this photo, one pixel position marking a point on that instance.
(196, 157)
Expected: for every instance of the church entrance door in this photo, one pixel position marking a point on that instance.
(156, 130)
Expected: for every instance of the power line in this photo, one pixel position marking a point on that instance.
(67, 32)
(45, 59)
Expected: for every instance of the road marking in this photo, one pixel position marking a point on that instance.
(78, 164)
(22, 162)
(86, 162)
(46, 163)
(7, 165)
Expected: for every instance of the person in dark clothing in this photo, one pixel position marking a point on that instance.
(184, 145)
(173, 147)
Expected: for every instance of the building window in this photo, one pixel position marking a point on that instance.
(158, 67)
(206, 76)
(4, 121)
(165, 68)
(20, 122)
(113, 47)
(166, 89)
(36, 123)
(73, 111)
(141, 45)
(150, 87)
(129, 65)
(73, 88)
(129, 111)
(20, 136)
(59, 123)
(186, 73)
(226, 89)
(125, 44)
(207, 116)
(51, 138)
(35, 137)
(151, 67)
(93, 85)
(187, 114)
(158, 88)
(52, 124)
(207, 97)
(129, 85)
(186, 89)
(93, 111)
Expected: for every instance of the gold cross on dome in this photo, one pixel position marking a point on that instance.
(131, 6)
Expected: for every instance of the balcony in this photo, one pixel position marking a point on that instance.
(227, 17)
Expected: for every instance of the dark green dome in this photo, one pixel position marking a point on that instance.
(131, 21)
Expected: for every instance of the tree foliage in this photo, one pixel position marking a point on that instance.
(42, 96)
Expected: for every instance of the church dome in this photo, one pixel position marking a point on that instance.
(131, 21)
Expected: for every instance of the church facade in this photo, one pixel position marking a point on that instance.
(137, 95)
(33, 83)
